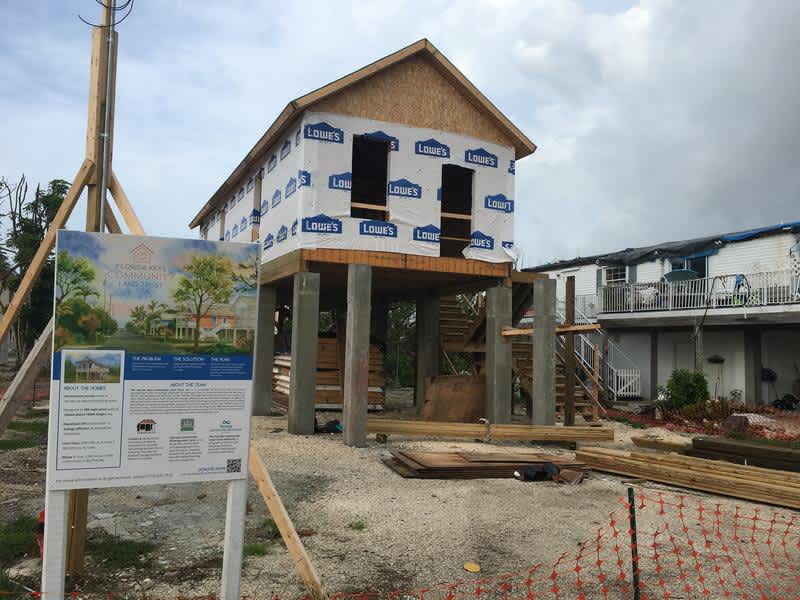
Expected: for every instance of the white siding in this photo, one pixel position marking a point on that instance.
(585, 280)
(770, 253)
(729, 375)
(649, 271)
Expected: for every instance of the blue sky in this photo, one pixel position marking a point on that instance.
(655, 120)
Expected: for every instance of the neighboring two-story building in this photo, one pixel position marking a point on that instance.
(728, 304)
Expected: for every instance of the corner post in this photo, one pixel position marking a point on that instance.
(498, 355)
(305, 333)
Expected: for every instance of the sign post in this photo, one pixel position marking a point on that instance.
(152, 375)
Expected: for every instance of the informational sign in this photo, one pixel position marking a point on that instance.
(153, 360)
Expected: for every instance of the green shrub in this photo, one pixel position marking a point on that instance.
(685, 388)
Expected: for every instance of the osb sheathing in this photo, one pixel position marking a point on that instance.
(414, 92)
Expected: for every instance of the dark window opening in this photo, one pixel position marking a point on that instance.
(456, 210)
(369, 178)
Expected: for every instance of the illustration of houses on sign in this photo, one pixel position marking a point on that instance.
(145, 426)
(142, 254)
(89, 369)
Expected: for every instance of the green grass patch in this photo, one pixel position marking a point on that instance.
(256, 549)
(17, 443)
(118, 553)
(358, 525)
(39, 427)
(17, 539)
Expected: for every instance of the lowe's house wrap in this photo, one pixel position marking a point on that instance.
(153, 360)
(308, 179)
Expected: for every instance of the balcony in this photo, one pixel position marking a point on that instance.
(736, 291)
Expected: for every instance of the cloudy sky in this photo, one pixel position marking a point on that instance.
(655, 120)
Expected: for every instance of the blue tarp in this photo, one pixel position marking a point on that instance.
(751, 233)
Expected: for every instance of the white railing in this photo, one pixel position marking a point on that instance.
(723, 291)
(622, 377)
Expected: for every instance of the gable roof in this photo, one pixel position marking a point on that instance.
(693, 248)
(522, 145)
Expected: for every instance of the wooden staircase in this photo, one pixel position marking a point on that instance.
(464, 330)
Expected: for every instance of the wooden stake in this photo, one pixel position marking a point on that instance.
(569, 355)
(46, 246)
(302, 562)
(123, 204)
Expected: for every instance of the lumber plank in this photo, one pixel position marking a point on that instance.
(124, 205)
(294, 545)
(754, 461)
(479, 430)
(746, 448)
(765, 486)
(560, 329)
(660, 444)
(24, 378)
(45, 247)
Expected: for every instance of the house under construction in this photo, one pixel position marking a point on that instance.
(395, 182)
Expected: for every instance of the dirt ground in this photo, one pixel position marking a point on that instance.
(365, 527)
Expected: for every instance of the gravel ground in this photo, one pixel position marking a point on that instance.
(367, 528)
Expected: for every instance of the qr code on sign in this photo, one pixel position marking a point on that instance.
(234, 465)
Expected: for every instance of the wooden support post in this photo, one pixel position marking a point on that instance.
(427, 324)
(255, 219)
(305, 334)
(356, 364)
(544, 352)
(77, 513)
(123, 204)
(569, 355)
(302, 563)
(265, 351)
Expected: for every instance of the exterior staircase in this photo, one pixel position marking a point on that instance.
(462, 329)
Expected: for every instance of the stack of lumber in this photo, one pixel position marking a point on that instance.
(329, 378)
(540, 433)
(463, 465)
(746, 453)
(657, 443)
(748, 483)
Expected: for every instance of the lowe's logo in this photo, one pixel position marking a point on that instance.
(283, 233)
(377, 228)
(508, 245)
(269, 241)
(286, 148)
(394, 143)
(432, 148)
(482, 157)
(291, 186)
(405, 189)
(294, 228)
(512, 167)
(273, 162)
(323, 133)
(499, 202)
(321, 224)
(276, 198)
(255, 217)
(341, 181)
(481, 240)
(427, 233)
(304, 179)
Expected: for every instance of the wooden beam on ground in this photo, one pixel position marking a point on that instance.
(542, 433)
(302, 563)
(739, 481)
(560, 329)
(125, 208)
(660, 444)
(45, 247)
